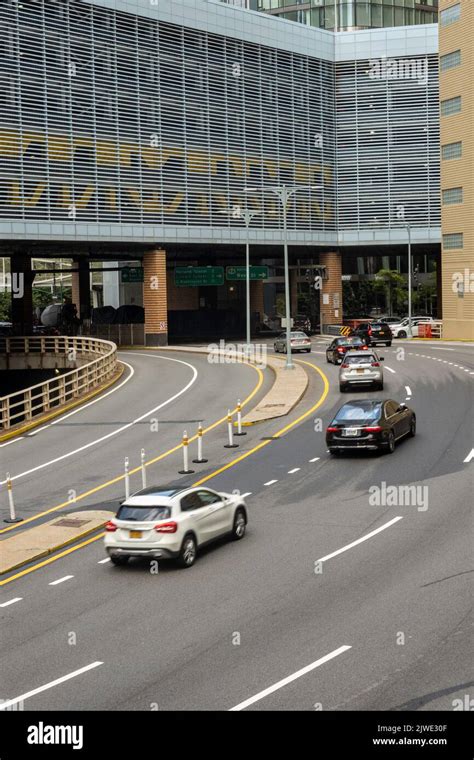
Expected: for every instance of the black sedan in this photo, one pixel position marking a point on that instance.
(371, 425)
(336, 350)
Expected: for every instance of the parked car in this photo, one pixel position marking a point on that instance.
(336, 350)
(299, 342)
(172, 522)
(374, 332)
(302, 322)
(401, 330)
(371, 425)
(361, 368)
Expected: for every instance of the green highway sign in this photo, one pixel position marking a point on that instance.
(239, 273)
(131, 274)
(192, 277)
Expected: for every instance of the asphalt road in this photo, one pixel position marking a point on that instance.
(337, 602)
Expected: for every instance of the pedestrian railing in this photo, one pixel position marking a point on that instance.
(98, 363)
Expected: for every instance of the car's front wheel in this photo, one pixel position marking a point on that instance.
(119, 559)
(187, 554)
(402, 334)
(240, 525)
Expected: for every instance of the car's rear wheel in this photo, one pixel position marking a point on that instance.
(119, 559)
(334, 452)
(388, 343)
(402, 334)
(391, 442)
(187, 554)
(379, 386)
(342, 388)
(275, 348)
(413, 427)
(240, 525)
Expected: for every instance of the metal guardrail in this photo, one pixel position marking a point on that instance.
(22, 406)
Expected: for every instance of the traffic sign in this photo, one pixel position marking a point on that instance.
(131, 274)
(240, 273)
(193, 277)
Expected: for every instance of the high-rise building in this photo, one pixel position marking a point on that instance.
(348, 15)
(457, 184)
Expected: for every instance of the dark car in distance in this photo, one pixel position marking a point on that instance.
(370, 425)
(374, 332)
(338, 348)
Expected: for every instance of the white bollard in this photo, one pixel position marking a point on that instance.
(127, 479)
(142, 458)
(185, 444)
(239, 419)
(231, 444)
(13, 518)
(199, 459)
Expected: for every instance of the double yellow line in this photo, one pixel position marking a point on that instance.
(225, 467)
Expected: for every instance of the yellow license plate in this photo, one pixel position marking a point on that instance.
(135, 534)
(360, 371)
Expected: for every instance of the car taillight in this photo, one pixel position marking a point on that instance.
(374, 364)
(369, 331)
(363, 348)
(331, 430)
(340, 349)
(110, 526)
(344, 366)
(167, 527)
(374, 429)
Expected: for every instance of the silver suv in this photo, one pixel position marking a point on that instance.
(361, 368)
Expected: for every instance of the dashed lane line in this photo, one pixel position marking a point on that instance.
(270, 482)
(61, 580)
(11, 601)
(295, 469)
(360, 540)
(10, 702)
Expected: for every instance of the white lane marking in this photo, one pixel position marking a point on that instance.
(360, 540)
(318, 352)
(316, 459)
(441, 348)
(390, 370)
(103, 561)
(12, 601)
(61, 580)
(22, 697)
(89, 403)
(295, 469)
(469, 457)
(20, 437)
(120, 429)
(289, 679)
(244, 495)
(270, 482)
(408, 390)
(450, 364)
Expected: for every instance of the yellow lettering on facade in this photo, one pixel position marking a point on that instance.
(237, 165)
(17, 199)
(215, 159)
(78, 202)
(59, 148)
(106, 152)
(198, 162)
(151, 157)
(32, 138)
(271, 167)
(172, 207)
(9, 144)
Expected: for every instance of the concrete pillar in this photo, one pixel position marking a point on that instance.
(155, 299)
(332, 288)
(81, 288)
(22, 294)
(256, 297)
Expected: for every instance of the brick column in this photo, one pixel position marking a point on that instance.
(332, 288)
(155, 299)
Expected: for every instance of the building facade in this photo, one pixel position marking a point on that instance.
(130, 130)
(457, 167)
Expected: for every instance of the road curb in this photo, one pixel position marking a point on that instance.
(41, 541)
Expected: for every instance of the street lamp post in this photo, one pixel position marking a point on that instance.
(247, 215)
(284, 193)
(408, 228)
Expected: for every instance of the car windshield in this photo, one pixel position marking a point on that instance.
(378, 326)
(349, 342)
(366, 359)
(358, 412)
(148, 513)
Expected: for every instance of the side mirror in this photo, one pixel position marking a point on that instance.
(402, 407)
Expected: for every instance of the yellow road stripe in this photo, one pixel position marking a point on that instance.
(203, 480)
(118, 478)
(279, 433)
(49, 560)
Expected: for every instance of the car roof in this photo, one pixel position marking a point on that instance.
(166, 494)
(365, 403)
(365, 353)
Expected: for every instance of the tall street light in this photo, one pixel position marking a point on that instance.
(284, 193)
(247, 215)
(408, 229)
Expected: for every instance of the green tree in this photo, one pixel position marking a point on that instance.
(393, 284)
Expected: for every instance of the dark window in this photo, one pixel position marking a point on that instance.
(390, 408)
(148, 513)
(207, 497)
(366, 359)
(191, 501)
(358, 412)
